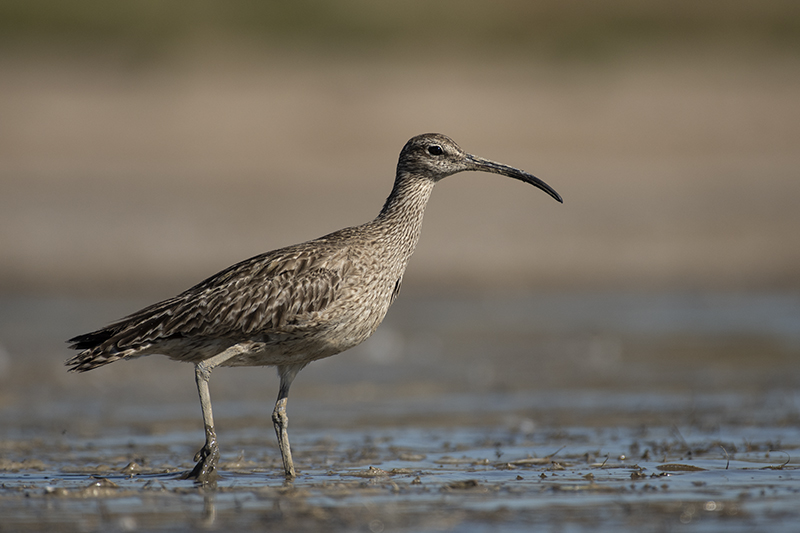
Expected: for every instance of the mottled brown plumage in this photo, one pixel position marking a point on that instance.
(294, 305)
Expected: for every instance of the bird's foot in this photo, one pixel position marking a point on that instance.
(205, 471)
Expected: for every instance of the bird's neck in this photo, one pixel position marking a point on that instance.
(401, 216)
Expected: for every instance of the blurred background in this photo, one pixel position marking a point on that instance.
(146, 145)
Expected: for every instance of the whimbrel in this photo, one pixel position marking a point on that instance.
(291, 306)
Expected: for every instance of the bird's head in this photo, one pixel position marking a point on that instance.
(435, 156)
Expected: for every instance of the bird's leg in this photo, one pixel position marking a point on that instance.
(205, 471)
(281, 422)
(287, 374)
(208, 456)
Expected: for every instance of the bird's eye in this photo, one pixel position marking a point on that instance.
(435, 150)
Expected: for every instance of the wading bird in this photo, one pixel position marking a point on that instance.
(294, 305)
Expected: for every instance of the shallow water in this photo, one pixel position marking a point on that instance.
(565, 412)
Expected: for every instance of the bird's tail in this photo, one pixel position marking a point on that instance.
(95, 350)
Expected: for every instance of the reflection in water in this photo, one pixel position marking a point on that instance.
(209, 510)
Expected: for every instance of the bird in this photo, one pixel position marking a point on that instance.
(294, 305)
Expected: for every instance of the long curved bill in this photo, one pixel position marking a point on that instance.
(478, 163)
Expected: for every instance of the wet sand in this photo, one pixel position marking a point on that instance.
(467, 479)
(681, 413)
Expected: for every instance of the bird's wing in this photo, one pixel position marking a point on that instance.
(262, 295)
(266, 296)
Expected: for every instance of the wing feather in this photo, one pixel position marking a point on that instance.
(263, 295)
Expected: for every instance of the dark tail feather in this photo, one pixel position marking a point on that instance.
(87, 341)
(93, 353)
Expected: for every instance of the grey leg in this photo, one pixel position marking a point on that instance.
(287, 374)
(205, 471)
